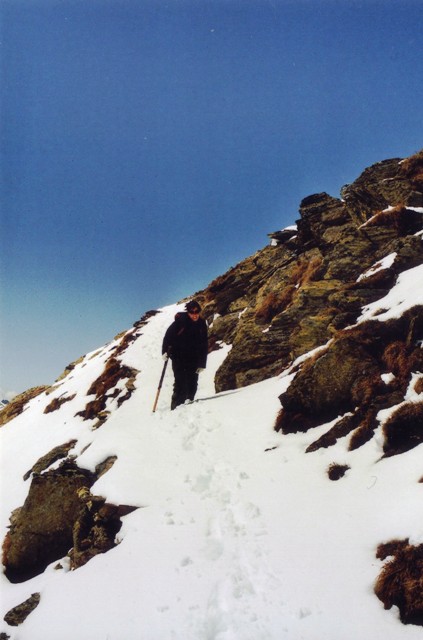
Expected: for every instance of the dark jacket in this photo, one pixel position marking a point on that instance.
(186, 340)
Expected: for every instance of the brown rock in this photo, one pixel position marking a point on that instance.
(50, 458)
(323, 388)
(42, 531)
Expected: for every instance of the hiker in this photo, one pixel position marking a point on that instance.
(185, 342)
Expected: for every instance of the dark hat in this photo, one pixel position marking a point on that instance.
(192, 305)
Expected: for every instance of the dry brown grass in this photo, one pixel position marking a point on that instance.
(412, 167)
(371, 334)
(382, 279)
(56, 403)
(400, 582)
(127, 339)
(290, 422)
(386, 549)
(366, 389)
(274, 303)
(364, 431)
(307, 270)
(393, 341)
(339, 430)
(336, 471)
(395, 218)
(112, 373)
(404, 221)
(404, 429)
(396, 359)
(418, 385)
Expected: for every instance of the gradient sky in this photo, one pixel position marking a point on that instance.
(148, 146)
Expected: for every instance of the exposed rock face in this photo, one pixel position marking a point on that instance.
(300, 292)
(41, 530)
(105, 388)
(347, 378)
(60, 517)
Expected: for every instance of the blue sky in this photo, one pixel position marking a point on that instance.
(147, 146)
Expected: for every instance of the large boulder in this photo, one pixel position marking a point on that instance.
(325, 387)
(41, 530)
(60, 517)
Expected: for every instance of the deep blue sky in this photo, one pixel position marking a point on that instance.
(147, 146)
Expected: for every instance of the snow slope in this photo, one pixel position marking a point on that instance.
(240, 535)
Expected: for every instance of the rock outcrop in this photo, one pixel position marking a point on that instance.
(301, 291)
(60, 517)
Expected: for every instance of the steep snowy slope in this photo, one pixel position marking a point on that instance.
(238, 534)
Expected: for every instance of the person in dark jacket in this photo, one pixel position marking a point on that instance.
(186, 343)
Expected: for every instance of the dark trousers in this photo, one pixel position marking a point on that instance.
(186, 382)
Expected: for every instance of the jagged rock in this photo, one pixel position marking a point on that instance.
(42, 531)
(324, 388)
(320, 213)
(105, 388)
(95, 528)
(60, 516)
(57, 453)
(284, 236)
(290, 298)
(346, 377)
(375, 189)
(105, 466)
(18, 614)
(56, 403)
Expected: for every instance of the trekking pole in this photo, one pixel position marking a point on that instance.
(160, 384)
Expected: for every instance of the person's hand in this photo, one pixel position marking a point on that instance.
(200, 369)
(165, 357)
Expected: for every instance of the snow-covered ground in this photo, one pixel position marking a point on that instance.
(240, 535)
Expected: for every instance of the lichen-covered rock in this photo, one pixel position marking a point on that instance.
(105, 388)
(19, 614)
(345, 379)
(42, 530)
(60, 517)
(296, 294)
(324, 388)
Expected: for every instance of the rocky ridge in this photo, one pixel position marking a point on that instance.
(302, 290)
